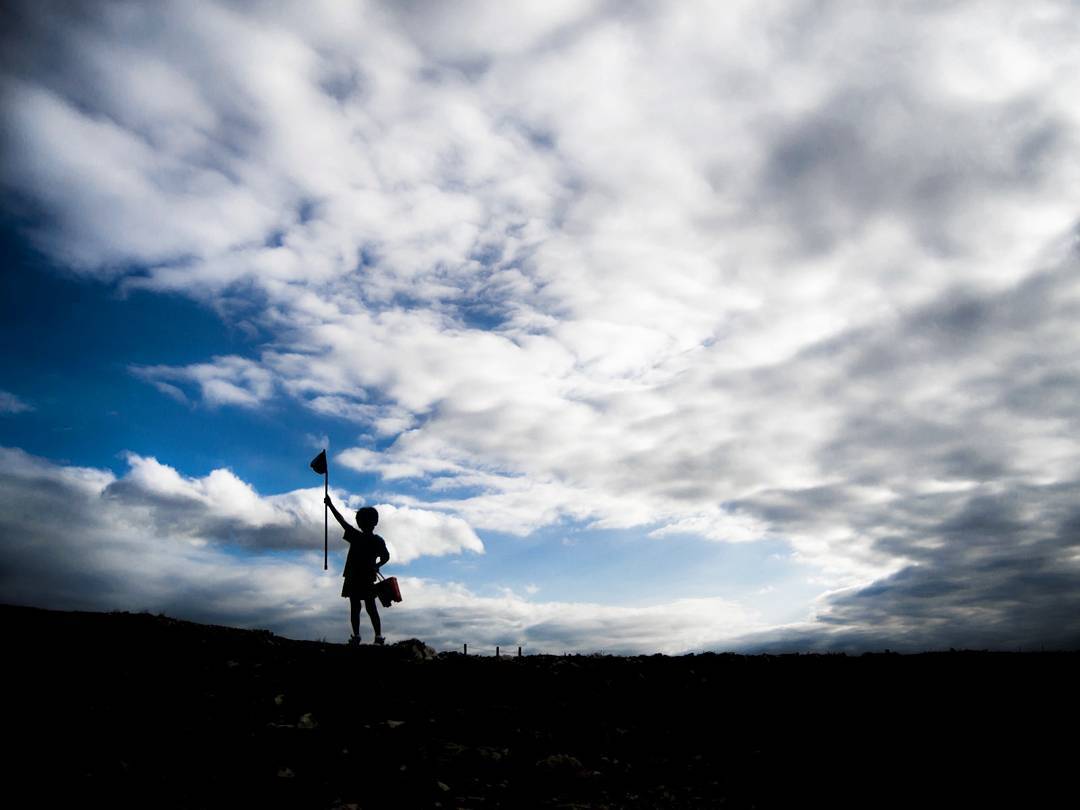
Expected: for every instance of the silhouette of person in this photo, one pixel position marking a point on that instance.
(367, 554)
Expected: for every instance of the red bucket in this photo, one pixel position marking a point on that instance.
(388, 591)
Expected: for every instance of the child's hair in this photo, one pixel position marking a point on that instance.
(367, 517)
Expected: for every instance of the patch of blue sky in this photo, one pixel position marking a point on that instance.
(270, 447)
(71, 344)
(305, 212)
(398, 301)
(245, 553)
(487, 255)
(628, 568)
(368, 255)
(309, 557)
(482, 315)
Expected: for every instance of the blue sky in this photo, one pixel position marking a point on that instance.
(706, 326)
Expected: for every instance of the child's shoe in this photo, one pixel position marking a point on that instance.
(380, 640)
(354, 640)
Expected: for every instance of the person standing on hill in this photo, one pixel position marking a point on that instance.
(367, 554)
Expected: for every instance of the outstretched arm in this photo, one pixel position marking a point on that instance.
(336, 513)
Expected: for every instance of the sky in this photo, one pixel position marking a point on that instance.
(646, 327)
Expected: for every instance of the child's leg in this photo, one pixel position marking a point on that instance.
(354, 614)
(373, 613)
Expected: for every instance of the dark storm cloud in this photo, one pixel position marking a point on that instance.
(993, 560)
(998, 575)
(181, 514)
(1002, 570)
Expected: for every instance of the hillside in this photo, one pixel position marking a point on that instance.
(140, 710)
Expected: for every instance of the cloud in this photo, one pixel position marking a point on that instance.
(806, 272)
(474, 31)
(10, 403)
(222, 381)
(218, 508)
(81, 538)
(412, 533)
(222, 509)
(1000, 571)
(451, 615)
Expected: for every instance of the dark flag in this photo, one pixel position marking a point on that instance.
(318, 464)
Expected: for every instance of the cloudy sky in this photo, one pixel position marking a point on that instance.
(645, 326)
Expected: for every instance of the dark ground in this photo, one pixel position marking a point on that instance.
(139, 710)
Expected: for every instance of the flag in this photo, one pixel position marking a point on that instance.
(318, 464)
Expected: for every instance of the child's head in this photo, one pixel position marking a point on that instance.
(367, 518)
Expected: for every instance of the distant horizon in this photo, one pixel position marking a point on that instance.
(644, 328)
(511, 651)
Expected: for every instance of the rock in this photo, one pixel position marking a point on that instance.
(307, 721)
(414, 649)
(286, 773)
(490, 754)
(453, 749)
(562, 763)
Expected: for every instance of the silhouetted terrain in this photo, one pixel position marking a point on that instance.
(141, 710)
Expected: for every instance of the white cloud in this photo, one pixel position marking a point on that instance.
(222, 509)
(10, 403)
(718, 525)
(223, 381)
(412, 533)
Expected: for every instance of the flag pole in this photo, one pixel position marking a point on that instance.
(319, 465)
(326, 519)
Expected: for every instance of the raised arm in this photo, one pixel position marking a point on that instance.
(383, 558)
(336, 513)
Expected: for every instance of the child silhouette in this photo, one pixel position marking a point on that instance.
(367, 553)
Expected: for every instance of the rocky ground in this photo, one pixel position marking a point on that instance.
(140, 710)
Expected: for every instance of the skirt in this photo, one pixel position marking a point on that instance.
(356, 588)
